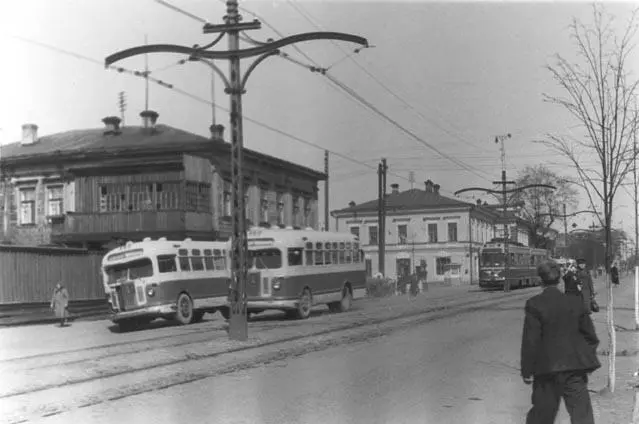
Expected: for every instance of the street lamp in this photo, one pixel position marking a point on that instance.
(235, 87)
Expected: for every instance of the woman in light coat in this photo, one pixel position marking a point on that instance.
(60, 303)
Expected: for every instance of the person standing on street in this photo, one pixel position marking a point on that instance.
(586, 286)
(60, 303)
(614, 273)
(570, 282)
(558, 352)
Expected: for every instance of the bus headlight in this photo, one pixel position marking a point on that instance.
(150, 292)
(276, 283)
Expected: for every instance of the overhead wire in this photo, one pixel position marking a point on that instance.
(204, 101)
(306, 15)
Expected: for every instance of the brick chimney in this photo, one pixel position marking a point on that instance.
(351, 204)
(149, 118)
(29, 134)
(428, 184)
(217, 131)
(112, 125)
(436, 188)
(478, 202)
(394, 188)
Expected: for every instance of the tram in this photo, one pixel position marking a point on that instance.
(521, 269)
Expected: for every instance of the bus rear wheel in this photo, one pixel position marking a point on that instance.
(184, 314)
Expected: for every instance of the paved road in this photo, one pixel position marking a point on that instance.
(461, 369)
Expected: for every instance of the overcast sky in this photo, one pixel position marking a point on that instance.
(455, 74)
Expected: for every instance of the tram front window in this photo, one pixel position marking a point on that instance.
(492, 259)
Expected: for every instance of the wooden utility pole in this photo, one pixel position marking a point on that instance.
(636, 256)
(504, 204)
(326, 226)
(381, 217)
(235, 86)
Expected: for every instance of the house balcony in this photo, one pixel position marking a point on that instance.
(173, 224)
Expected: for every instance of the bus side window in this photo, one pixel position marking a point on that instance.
(185, 265)
(348, 253)
(208, 260)
(309, 254)
(335, 253)
(295, 257)
(220, 260)
(166, 263)
(342, 255)
(319, 256)
(197, 263)
(327, 254)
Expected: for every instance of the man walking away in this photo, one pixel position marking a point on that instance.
(558, 351)
(60, 303)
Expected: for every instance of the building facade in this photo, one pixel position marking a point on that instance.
(424, 229)
(95, 188)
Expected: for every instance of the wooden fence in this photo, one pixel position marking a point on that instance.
(29, 274)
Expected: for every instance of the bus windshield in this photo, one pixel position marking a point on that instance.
(130, 270)
(492, 259)
(265, 258)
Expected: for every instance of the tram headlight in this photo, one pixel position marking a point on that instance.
(276, 283)
(150, 292)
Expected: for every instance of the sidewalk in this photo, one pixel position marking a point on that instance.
(32, 314)
(616, 407)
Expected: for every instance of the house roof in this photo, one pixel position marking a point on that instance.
(408, 200)
(130, 139)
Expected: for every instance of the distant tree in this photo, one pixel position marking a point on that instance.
(599, 94)
(543, 207)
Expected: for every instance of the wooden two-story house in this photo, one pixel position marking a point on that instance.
(95, 188)
(423, 229)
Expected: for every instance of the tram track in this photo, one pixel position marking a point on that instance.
(85, 392)
(90, 353)
(92, 369)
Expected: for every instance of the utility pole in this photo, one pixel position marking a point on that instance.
(636, 256)
(565, 232)
(235, 87)
(504, 203)
(470, 242)
(122, 105)
(380, 217)
(411, 179)
(326, 191)
(503, 194)
(382, 233)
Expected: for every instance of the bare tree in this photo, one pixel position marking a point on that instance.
(598, 92)
(543, 206)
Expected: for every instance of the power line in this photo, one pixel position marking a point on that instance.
(306, 15)
(209, 103)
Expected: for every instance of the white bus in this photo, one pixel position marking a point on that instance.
(178, 280)
(292, 270)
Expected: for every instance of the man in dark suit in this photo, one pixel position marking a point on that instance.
(558, 351)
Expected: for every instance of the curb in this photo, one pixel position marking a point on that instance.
(51, 320)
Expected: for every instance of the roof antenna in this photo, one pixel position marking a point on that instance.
(122, 105)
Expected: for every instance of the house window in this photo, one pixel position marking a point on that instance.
(452, 231)
(296, 210)
(55, 199)
(402, 233)
(307, 211)
(167, 195)
(264, 204)
(141, 197)
(432, 233)
(372, 235)
(27, 206)
(280, 207)
(355, 231)
(198, 197)
(441, 265)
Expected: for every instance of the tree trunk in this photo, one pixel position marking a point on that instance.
(612, 340)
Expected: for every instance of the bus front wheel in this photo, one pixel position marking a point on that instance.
(184, 314)
(304, 305)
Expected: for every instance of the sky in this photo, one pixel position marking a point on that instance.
(453, 74)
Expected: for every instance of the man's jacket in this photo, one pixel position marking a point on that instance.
(558, 335)
(570, 283)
